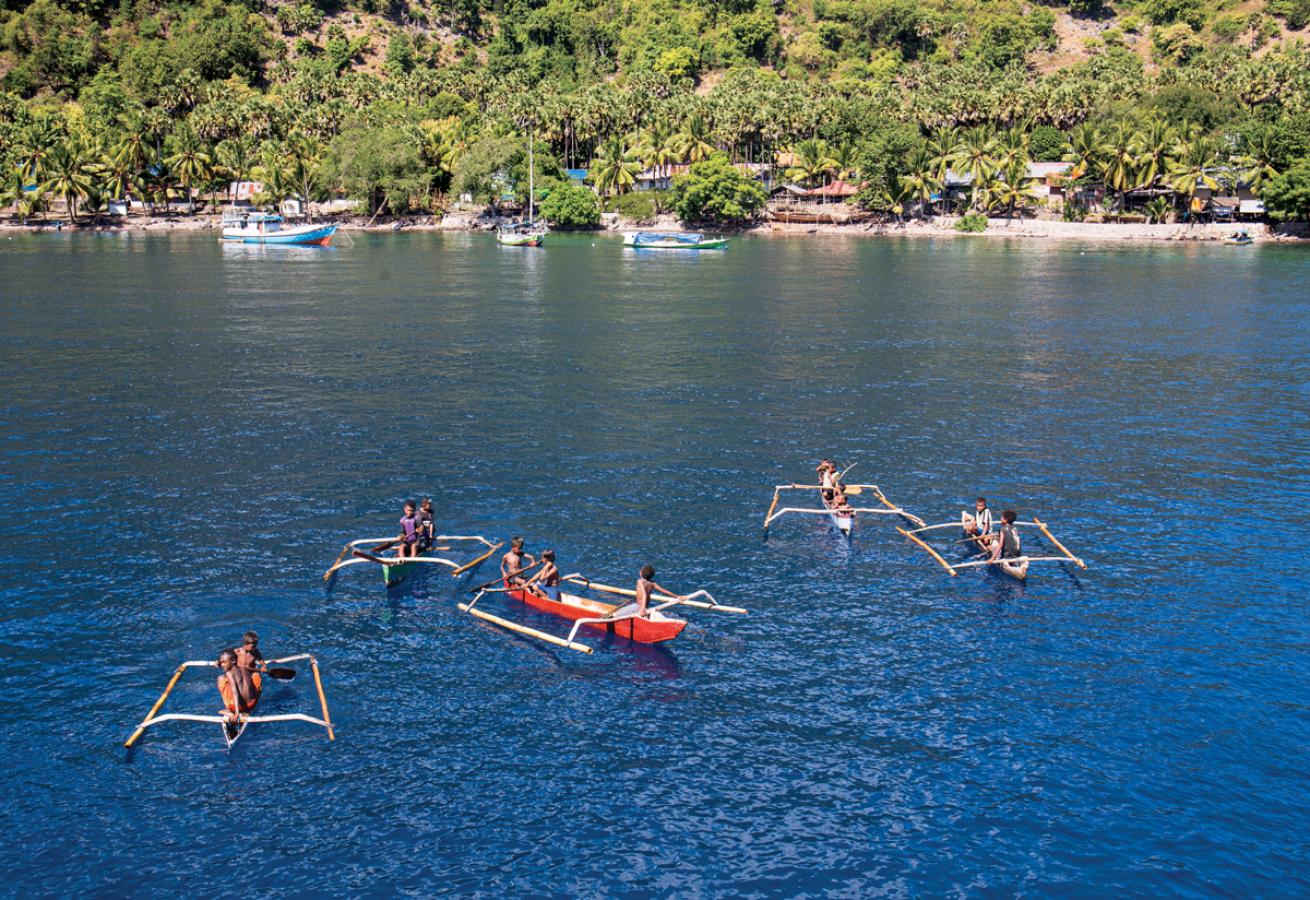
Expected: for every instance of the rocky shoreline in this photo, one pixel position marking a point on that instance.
(940, 226)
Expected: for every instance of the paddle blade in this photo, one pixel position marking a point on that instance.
(854, 489)
(282, 674)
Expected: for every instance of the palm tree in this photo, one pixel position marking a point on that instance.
(14, 192)
(942, 147)
(1193, 166)
(1257, 163)
(1152, 147)
(1084, 150)
(614, 167)
(190, 161)
(1119, 159)
(846, 157)
(692, 144)
(1158, 209)
(306, 155)
(236, 156)
(973, 157)
(120, 179)
(657, 147)
(811, 160)
(922, 183)
(1011, 190)
(68, 175)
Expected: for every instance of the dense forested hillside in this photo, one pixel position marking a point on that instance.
(403, 105)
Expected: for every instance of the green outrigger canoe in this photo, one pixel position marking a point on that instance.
(396, 571)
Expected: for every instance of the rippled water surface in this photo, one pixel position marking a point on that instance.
(190, 432)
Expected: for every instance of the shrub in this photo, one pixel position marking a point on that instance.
(570, 205)
(638, 206)
(1047, 143)
(971, 223)
(1287, 196)
(1295, 12)
(714, 191)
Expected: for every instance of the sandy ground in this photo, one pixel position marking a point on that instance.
(941, 226)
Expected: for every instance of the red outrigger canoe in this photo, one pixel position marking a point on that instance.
(619, 619)
(658, 627)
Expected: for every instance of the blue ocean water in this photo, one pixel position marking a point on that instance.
(190, 432)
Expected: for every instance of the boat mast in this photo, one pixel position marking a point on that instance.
(531, 167)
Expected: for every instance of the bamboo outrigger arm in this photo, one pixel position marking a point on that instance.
(1058, 546)
(620, 616)
(521, 629)
(933, 553)
(1011, 560)
(690, 600)
(889, 507)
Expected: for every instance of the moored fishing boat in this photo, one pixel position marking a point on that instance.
(530, 233)
(1015, 567)
(270, 228)
(521, 234)
(672, 240)
(618, 619)
(232, 731)
(396, 570)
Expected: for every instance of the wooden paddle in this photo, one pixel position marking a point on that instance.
(281, 674)
(505, 576)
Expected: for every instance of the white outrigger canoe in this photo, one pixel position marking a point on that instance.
(1015, 566)
(395, 570)
(232, 731)
(843, 520)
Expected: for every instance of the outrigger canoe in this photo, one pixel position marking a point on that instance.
(396, 570)
(232, 731)
(843, 520)
(618, 619)
(1015, 567)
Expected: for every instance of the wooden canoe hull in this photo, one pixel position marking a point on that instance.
(1018, 572)
(570, 606)
(843, 523)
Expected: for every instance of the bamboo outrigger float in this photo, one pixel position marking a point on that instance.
(232, 731)
(1015, 566)
(395, 570)
(843, 520)
(619, 619)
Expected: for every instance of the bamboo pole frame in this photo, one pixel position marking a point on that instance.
(933, 553)
(1058, 546)
(322, 698)
(158, 704)
(626, 592)
(523, 629)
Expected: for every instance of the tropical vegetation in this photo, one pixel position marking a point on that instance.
(408, 106)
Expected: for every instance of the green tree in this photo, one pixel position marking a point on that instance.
(692, 144)
(190, 160)
(380, 166)
(615, 167)
(716, 192)
(69, 174)
(571, 205)
(1287, 196)
(811, 161)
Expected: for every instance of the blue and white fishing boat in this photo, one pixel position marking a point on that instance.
(672, 240)
(270, 228)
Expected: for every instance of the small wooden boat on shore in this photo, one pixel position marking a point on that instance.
(842, 519)
(617, 619)
(232, 731)
(1015, 567)
(396, 570)
(1240, 239)
(672, 240)
(269, 228)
